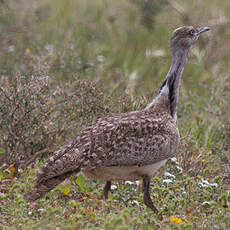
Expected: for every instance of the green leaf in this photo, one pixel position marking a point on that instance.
(2, 151)
(80, 181)
(66, 190)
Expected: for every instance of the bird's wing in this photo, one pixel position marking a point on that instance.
(129, 139)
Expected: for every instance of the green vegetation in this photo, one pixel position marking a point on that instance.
(65, 63)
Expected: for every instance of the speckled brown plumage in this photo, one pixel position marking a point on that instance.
(123, 146)
(129, 139)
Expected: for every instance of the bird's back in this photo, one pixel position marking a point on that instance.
(135, 138)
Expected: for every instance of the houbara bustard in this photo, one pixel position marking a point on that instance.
(130, 145)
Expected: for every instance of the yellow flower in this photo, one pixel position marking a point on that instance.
(12, 170)
(203, 161)
(175, 220)
(27, 50)
(201, 118)
(73, 203)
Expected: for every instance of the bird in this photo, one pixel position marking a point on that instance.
(126, 146)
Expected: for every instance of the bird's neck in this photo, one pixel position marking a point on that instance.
(169, 90)
(177, 66)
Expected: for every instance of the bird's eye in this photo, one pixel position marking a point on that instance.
(192, 32)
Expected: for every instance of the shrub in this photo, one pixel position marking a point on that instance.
(35, 114)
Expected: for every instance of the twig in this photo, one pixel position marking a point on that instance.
(222, 20)
(9, 99)
(187, 135)
(6, 153)
(46, 150)
(177, 7)
(12, 133)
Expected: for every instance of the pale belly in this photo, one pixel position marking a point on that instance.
(122, 172)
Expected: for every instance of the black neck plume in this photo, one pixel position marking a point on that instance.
(172, 82)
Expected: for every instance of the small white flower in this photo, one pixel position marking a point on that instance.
(100, 58)
(113, 187)
(49, 48)
(206, 202)
(173, 159)
(205, 183)
(180, 169)
(133, 76)
(167, 181)
(30, 213)
(129, 182)
(167, 174)
(183, 191)
(40, 209)
(135, 202)
(10, 49)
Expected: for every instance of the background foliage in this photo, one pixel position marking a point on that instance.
(65, 63)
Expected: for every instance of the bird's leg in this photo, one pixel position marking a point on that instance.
(107, 188)
(140, 187)
(147, 199)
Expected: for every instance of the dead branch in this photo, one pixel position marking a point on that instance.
(37, 154)
(177, 7)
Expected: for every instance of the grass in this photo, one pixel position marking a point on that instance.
(100, 57)
(196, 201)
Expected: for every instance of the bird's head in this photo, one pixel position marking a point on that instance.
(184, 37)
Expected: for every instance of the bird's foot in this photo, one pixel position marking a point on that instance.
(147, 200)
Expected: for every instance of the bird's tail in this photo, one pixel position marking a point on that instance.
(42, 188)
(56, 169)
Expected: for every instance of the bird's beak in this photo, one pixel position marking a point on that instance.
(202, 30)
